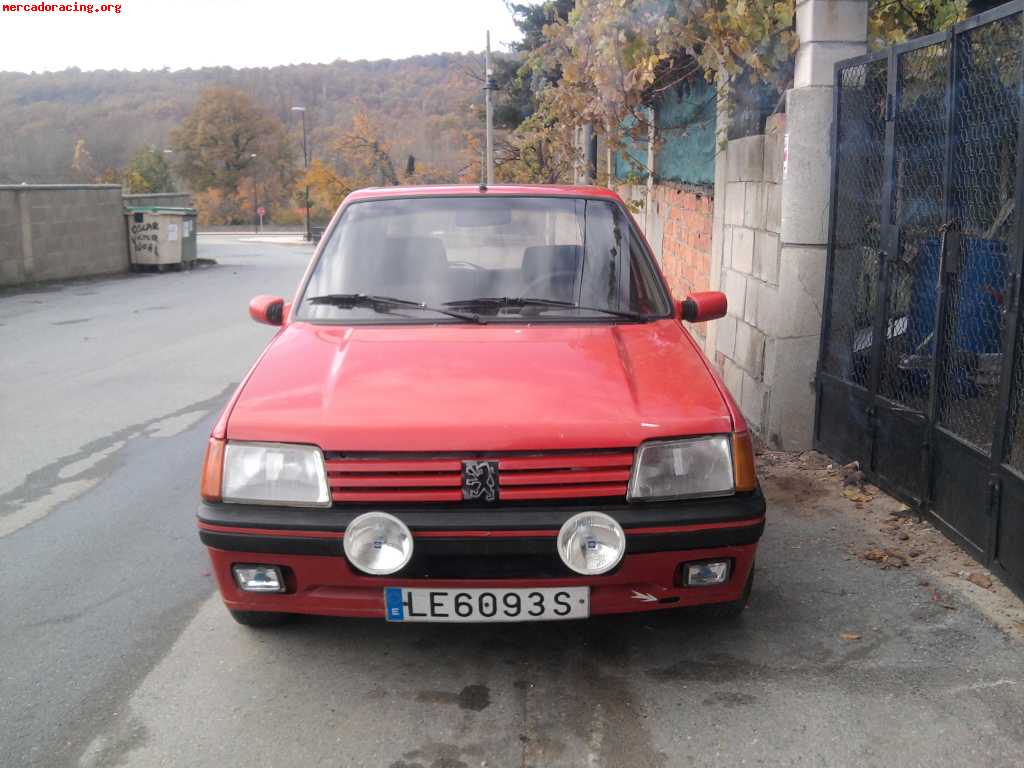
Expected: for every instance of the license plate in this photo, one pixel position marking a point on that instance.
(477, 605)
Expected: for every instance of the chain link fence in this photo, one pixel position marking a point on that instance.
(921, 376)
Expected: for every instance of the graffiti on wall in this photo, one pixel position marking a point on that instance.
(145, 237)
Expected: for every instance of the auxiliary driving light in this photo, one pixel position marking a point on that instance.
(591, 543)
(706, 574)
(258, 578)
(378, 543)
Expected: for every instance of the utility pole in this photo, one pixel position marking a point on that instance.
(489, 86)
(305, 164)
(589, 141)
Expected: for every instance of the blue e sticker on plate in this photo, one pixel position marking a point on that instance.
(393, 603)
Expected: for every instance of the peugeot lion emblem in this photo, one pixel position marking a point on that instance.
(480, 480)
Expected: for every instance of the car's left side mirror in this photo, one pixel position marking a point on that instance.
(267, 309)
(701, 306)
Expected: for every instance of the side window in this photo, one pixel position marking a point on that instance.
(645, 294)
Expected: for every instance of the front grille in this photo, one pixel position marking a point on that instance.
(399, 479)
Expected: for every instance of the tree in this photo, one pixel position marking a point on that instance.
(82, 166)
(235, 155)
(361, 159)
(535, 147)
(148, 172)
(614, 56)
(110, 176)
(327, 188)
(219, 142)
(893, 21)
(365, 150)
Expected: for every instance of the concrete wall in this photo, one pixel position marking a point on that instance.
(749, 239)
(773, 192)
(51, 232)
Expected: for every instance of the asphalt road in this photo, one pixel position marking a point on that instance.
(115, 650)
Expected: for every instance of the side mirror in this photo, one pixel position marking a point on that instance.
(701, 306)
(267, 309)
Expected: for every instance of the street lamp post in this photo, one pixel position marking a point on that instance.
(255, 200)
(170, 172)
(305, 164)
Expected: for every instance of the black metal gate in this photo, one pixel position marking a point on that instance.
(921, 373)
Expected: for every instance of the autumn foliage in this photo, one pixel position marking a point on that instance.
(237, 145)
(614, 56)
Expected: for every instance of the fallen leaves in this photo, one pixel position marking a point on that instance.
(980, 579)
(887, 558)
(814, 460)
(853, 493)
(865, 524)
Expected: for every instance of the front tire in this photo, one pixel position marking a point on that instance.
(260, 618)
(733, 608)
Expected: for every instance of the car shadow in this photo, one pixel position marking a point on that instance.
(659, 643)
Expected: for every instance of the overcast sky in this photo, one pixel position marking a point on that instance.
(152, 34)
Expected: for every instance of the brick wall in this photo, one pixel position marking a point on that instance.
(677, 221)
(686, 238)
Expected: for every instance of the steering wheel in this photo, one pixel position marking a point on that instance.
(546, 280)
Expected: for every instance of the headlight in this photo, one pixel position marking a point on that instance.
(591, 543)
(275, 473)
(677, 469)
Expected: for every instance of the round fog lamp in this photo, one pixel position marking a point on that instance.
(591, 543)
(378, 543)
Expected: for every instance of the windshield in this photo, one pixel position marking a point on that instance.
(545, 258)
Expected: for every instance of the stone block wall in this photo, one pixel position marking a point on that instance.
(52, 232)
(750, 260)
(771, 238)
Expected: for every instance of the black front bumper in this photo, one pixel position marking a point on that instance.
(703, 523)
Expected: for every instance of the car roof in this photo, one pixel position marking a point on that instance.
(474, 190)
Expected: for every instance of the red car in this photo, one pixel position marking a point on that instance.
(482, 405)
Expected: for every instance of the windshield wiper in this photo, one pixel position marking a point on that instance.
(526, 301)
(384, 304)
(508, 301)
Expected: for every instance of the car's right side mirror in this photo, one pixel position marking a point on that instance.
(701, 306)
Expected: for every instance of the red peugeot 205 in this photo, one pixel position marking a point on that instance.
(482, 405)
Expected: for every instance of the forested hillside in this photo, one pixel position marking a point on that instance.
(423, 105)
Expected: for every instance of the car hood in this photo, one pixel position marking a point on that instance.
(479, 388)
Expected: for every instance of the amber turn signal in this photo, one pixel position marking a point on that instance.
(213, 468)
(743, 461)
